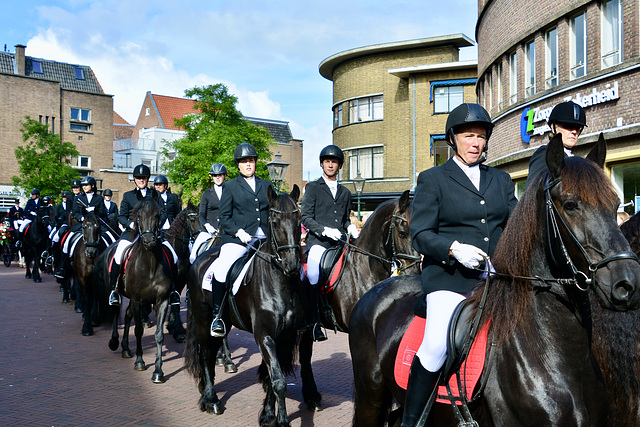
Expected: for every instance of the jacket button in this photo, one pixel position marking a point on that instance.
(486, 239)
(482, 202)
(483, 220)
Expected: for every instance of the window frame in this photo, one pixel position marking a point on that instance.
(499, 88)
(337, 115)
(513, 78)
(369, 105)
(39, 69)
(578, 70)
(376, 154)
(551, 80)
(78, 122)
(529, 69)
(450, 105)
(611, 55)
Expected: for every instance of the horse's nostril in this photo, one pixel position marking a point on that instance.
(622, 291)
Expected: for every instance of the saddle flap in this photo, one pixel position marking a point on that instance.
(238, 265)
(458, 338)
(331, 266)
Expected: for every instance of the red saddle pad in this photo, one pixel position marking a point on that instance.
(471, 368)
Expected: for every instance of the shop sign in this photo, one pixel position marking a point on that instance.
(536, 115)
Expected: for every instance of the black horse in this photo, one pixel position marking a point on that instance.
(384, 243)
(147, 280)
(35, 242)
(542, 371)
(83, 261)
(268, 305)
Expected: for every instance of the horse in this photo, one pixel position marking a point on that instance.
(542, 371)
(146, 280)
(384, 244)
(268, 305)
(83, 261)
(35, 242)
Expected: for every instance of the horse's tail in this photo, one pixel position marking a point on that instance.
(286, 351)
(192, 359)
(105, 314)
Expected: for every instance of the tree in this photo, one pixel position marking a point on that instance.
(213, 132)
(44, 161)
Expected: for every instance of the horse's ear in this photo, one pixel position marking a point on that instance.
(271, 195)
(599, 152)
(139, 195)
(555, 156)
(403, 202)
(154, 194)
(295, 193)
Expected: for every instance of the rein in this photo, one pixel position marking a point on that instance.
(396, 257)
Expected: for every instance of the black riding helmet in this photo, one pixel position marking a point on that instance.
(75, 183)
(332, 151)
(141, 171)
(88, 180)
(66, 193)
(243, 151)
(218, 169)
(160, 179)
(35, 191)
(465, 114)
(568, 112)
(46, 200)
(107, 192)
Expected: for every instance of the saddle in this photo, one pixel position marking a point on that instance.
(331, 267)
(205, 246)
(239, 264)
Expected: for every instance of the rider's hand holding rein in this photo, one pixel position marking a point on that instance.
(467, 255)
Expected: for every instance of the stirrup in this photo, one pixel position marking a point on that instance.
(317, 333)
(49, 261)
(60, 273)
(218, 329)
(114, 298)
(174, 298)
(19, 244)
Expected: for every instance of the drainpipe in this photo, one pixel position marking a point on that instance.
(413, 120)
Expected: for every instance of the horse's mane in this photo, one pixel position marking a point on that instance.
(146, 206)
(381, 212)
(178, 224)
(509, 301)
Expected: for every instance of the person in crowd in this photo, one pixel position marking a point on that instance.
(141, 174)
(458, 214)
(16, 214)
(112, 209)
(30, 213)
(169, 203)
(209, 206)
(326, 206)
(76, 189)
(243, 215)
(567, 119)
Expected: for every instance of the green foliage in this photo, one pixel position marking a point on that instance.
(212, 135)
(44, 161)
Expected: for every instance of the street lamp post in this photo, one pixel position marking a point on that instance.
(277, 169)
(358, 184)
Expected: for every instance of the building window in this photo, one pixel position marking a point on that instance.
(446, 98)
(626, 180)
(147, 111)
(551, 72)
(490, 90)
(579, 46)
(529, 69)
(611, 33)
(337, 116)
(84, 161)
(367, 161)
(440, 150)
(79, 73)
(499, 88)
(365, 109)
(513, 78)
(80, 119)
(37, 66)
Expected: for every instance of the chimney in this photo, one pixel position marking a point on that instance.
(20, 62)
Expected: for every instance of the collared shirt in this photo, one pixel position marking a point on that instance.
(218, 190)
(333, 185)
(472, 172)
(252, 182)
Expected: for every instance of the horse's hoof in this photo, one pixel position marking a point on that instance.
(78, 310)
(219, 361)
(113, 345)
(179, 338)
(139, 366)
(38, 280)
(65, 301)
(157, 378)
(146, 324)
(214, 408)
(126, 354)
(27, 276)
(314, 406)
(87, 333)
(230, 368)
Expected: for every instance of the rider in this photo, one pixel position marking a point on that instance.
(112, 209)
(325, 213)
(16, 213)
(567, 119)
(88, 201)
(75, 190)
(169, 203)
(243, 214)
(209, 205)
(459, 211)
(61, 214)
(30, 214)
(141, 174)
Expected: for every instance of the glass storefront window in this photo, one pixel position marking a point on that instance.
(626, 180)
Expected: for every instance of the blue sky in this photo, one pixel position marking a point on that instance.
(267, 53)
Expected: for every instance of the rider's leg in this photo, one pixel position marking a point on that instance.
(229, 253)
(217, 293)
(431, 355)
(114, 271)
(61, 272)
(313, 292)
(174, 296)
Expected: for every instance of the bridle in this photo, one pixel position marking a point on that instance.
(557, 248)
(155, 234)
(91, 244)
(274, 243)
(392, 236)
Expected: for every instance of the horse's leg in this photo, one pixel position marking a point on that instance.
(174, 324)
(209, 400)
(64, 287)
(139, 331)
(126, 351)
(276, 386)
(309, 389)
(161, 312)
(87, 327)
(229, 366)
(79, 304)
(36, 267)
(113, 342)
(27, 264)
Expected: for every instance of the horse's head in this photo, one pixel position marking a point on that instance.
(193, 219)
(285, 229)
(583, 238)
(146, 216)
(404, 256)
(44, 215)
(91, 234)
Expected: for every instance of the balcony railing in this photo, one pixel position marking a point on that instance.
(146, 144)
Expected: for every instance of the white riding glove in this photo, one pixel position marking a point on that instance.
(132, 226)
(210, 229)
(243, 236)
(467, 255)
(332, 233)
(353, 231)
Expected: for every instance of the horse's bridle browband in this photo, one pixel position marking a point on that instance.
(396, 257)
(553, 232)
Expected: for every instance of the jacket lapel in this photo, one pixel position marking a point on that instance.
(485, 179)
(456, 174)
(326, 188)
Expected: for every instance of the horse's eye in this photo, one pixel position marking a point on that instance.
(402, 234)
(276, 224)
(570, 205)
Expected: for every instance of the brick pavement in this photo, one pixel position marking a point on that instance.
(50, 375)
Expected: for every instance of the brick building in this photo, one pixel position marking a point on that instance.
(68, 98)
(586, 51)
(390, 105)
(156, 123)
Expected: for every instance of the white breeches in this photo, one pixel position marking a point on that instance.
(440, 307)
(123, 244)
(23, 224)
(203, 236)
(313, 263)
(229, 253)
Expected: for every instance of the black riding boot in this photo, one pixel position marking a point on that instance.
(217, 294)
(313, 313)
(174, 296)
(61, 272)
(114, 297)
(421, 385)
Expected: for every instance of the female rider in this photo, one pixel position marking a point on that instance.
(458, 214)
